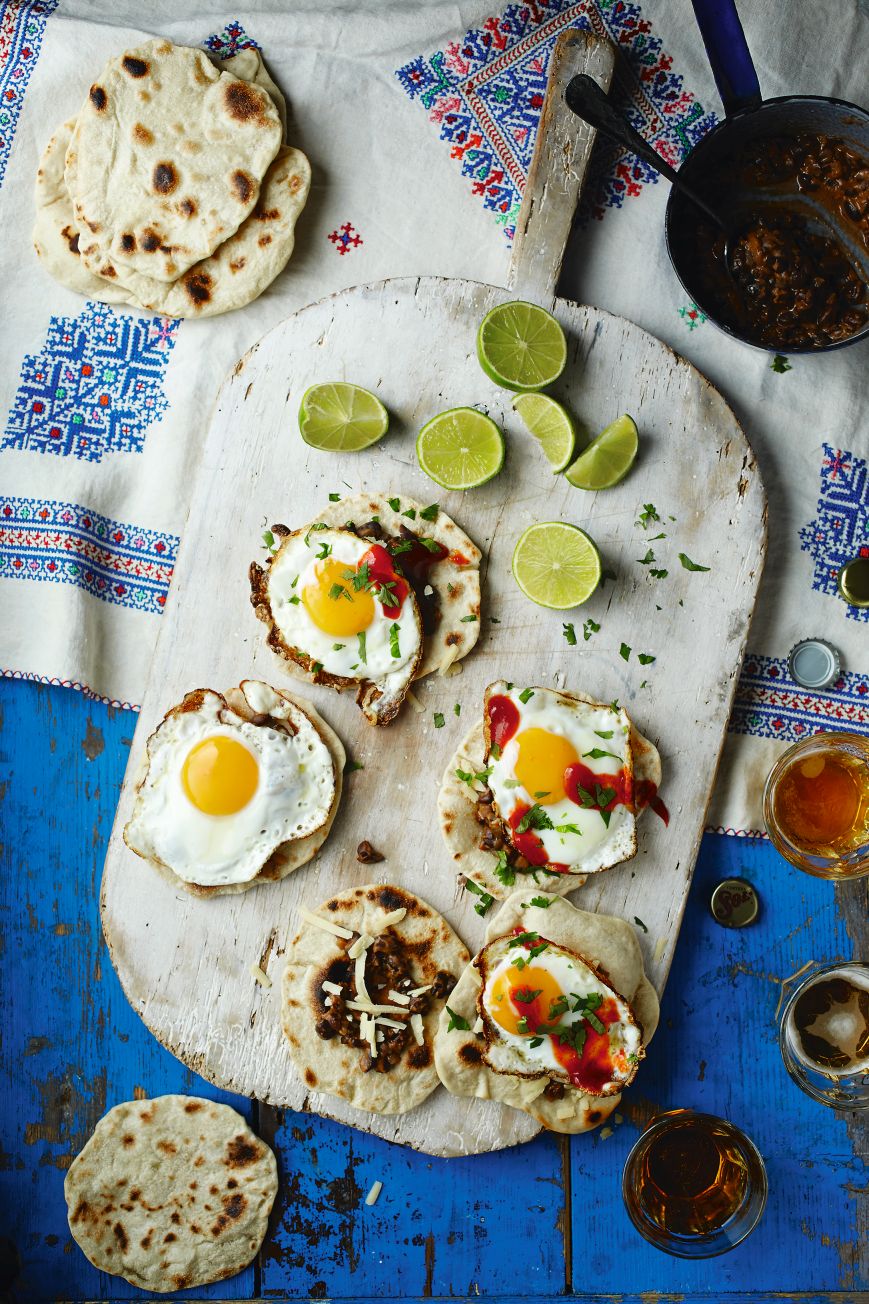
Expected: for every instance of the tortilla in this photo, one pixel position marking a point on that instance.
(289, 856)
(166, 159)
(171, 1192)
(328, 1065)
(610, 945)
(461, 832)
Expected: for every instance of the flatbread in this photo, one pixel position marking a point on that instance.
(331, 1067)
(289, 856)
(461, 832)
(171, 1192)
(166, 159)
(611, 945)
(247, 65)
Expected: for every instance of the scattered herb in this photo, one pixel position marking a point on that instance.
(469, 620)
(334, 498)
(535, 1042)
(269, 541)
(394, 503)
(386, 595)
(360, 639)
(526, 695)
(351, 766)
(457, 709)
(495, 752)
(294, 599)
(691, 565)
(394, 631)
(569, 634)
(534, 818)
(780, 364)
(336, 647)
(645, 659)
(589, 627)
(512, 783)
(640, 923)
(429, 513)
(614, 704)
(569, 828)
(624, 652)
(401, 545)
(361, 578)
(543, 903)
(431, 545)
(464, 776)
(526, 995)
(659, 574)
(648, 515)
(457, 1022)
(318, 525)
(438, 720)
(648, 559)
(338, 591)
(598, 753)
(485, 900)
(410, 513)
(633, 1058)
(603, 733)
(504, 871)
(316, 667)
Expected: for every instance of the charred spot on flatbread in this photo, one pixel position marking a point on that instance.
(164, 178)
(198, 285)
(243, 102)
(134, 67)
(98, 98)
(142, 134)
(242, 185)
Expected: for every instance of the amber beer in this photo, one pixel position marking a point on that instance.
(694, 1185)
(816, 805)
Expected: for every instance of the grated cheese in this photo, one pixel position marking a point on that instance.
(660, 948)
(372, 1035)
(394, 917)
(391, 1023)
(447, 663)
(416, 1028)
(260, 975)
(371, 1197)
(334, 989)
(453, 670)
(415, 702)
(359, 975)
(325, 924)
(398, 997)
(418, 991)
(478, 1027)
(564, 1111)
(328, 1002)
(605, 1133)
(368, 1007)
(362, 943)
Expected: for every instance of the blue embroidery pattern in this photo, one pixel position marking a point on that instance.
(769, 704)
(840, 530)
(485, 92)
(228, 42)
(41, 539)
(22, 25)
(95, 387)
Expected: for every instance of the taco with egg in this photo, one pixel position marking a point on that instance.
(366, 978)
(552, 1016)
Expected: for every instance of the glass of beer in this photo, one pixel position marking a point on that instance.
(824, 1035)
(694, 1185)
(816, 805)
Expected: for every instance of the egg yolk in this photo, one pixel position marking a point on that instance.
(507, 1003)
(540, 765)
(220, 775)
(346, 612)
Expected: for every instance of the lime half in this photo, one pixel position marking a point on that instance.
(460, 448)
(551, 425)
(521, 346)
(341, 418)
(556, 565)
(608, 458)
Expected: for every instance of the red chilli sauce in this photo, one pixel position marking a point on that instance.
(382, 571)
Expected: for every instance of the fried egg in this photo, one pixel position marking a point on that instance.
(338, 598)
(221, 793)
(546, 1010)
(561, 772)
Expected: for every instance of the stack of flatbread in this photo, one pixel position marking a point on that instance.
(172, 190)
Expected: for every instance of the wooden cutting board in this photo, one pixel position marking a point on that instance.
(185, 963)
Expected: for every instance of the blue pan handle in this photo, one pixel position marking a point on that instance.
(728, 54)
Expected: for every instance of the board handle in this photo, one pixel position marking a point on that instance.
(558, 168)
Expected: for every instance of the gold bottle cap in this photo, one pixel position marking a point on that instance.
(854, 581)
(734, 903)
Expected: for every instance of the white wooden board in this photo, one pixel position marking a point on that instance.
(184, 963)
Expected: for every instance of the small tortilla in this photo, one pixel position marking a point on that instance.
(461, 832)
(289, 856)
(171, 1192)
(611, 945)
(331, 1067)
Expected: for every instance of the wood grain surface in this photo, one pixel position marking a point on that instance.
(184, 963)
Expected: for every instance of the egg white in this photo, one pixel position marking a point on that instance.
(294, 567)
(581, 723)
(294, 796)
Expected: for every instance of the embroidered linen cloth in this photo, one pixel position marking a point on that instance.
(420, 122)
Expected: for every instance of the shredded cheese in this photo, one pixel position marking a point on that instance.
(325, 924)
(334, 989)
(398, 997)
(478, 1027)
(390, 1023)
(660, 948)
(371, 1197)
(416, 1028)
(605, 1133)
(415, 702)
(418, 991)
(453, 670)
(362, 943)
(447, 663)
(564, 1111)
(394, 917)
(328, 1002)
(261, 977)
(368, 1007)
(372, 1035)
(359, 975)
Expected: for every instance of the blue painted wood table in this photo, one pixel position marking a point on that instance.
(540, 1221)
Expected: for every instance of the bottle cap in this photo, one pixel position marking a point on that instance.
(854, 581)
(814, 663)
(734, 903)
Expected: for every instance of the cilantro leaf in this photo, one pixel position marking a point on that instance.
(485, 900)
(336, 647)
(598, 753)
(504, 871)
(534, 818)
(410, 513)
(640, 923)
(457, 1021)
(464, 775)
(526, 695)
(457, 709)
(352, 766)
(430, 545)
(469, 620)
(568, 828)
(394, 503)
(269, 541)
(429, 513)
(334, 498)
(589, 627)
(780, 364)
(360, 639)
(526, 995)
(603, 733)
(569, 634)
(625, 652)
(649, 557)
(648, 515)
(543, 903)
(338, 591)
(691, 565)
(438, 720)
(646, 659)
(394, 631)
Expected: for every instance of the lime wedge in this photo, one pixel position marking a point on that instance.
(341, 418)
(550, 424)
(556, 565)
(521, 346)
(460, 448)
(608, 458)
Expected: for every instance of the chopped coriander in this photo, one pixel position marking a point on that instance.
(360, 639)
(431, 545)
(603, 733)
(352, 766)
(385, 594)
(780, 364)
(594, 1021)
(269, 541)
(394, 631)
(394, 503)
(482, 775)
(614, 704)
(640, 923)
(625, 652)
(644, 683)
(338, 591)
(645, 658)
(655, 537)
(464, 775)
(469, 620)
(295, 582)
(429, 513)
(504, 871)
(410, 513)
(649, 557)
(457, 1021)
(589, 627)
(604, 796)
(495, 752)
(361, 578)
(336, 647)
(457, 709)
(538, 795)
(648, 515)
(526, 995)
(535, 1042)
(659, 574)
(633, 1058)
(294, 599)
(520, 939)
(438, 720)
(598, 753)
(543, 903)
(485, 900)
(493, 620)
(400, 546)
(334, 498)
(568, 828)
(691, 565)
(569, 634)
(606, 816)
(318, 525)
(534, 818)
(316, 667)
(526, 695)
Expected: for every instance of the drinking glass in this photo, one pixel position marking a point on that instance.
(840, 1018)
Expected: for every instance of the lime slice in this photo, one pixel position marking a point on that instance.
(608, 458)
(556, 565)
(550, 424)
(460, 448)
(341, 418)
(521, 346)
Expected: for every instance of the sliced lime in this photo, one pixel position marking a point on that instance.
(550, 424)
(556, 565)
(521, 346)
(460, 448)
(341, 418)
(608, 458)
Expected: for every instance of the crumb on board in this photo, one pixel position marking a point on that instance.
(260, 976)
(371, 1197)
